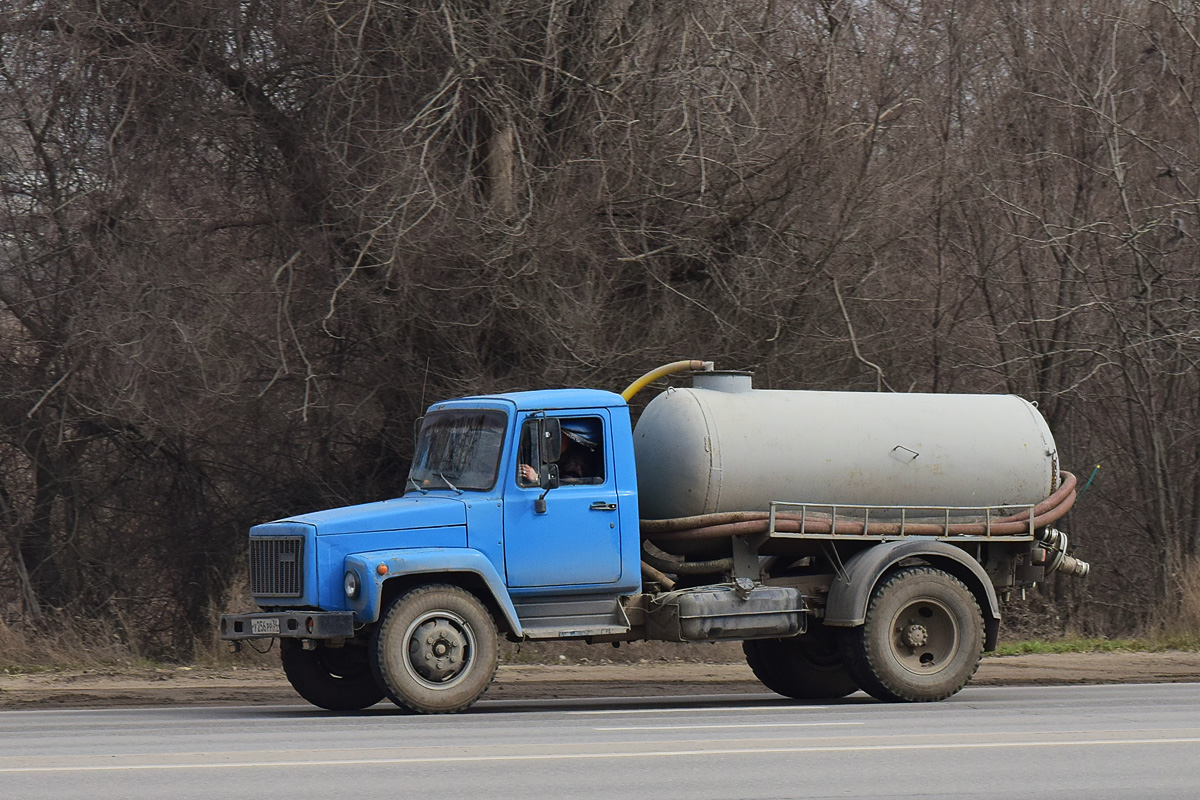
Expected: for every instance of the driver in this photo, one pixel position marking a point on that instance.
(580, 458)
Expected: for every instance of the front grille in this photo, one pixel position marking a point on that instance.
(277, 566)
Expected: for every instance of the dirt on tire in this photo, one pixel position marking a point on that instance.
(130, 687)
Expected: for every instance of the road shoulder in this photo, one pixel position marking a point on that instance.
(195, 686)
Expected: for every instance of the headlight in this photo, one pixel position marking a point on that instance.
(351, 584)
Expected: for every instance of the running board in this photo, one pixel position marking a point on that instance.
(567, 617)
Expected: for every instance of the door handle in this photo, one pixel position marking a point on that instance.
(600, 505)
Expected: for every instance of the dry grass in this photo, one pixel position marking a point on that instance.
(63, 642)
(1179, 620)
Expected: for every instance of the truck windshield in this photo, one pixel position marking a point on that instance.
(458, 450)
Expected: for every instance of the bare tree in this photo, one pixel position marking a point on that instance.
(244, 242)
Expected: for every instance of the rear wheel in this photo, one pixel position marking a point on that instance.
(336, 678)
(922, 639)
(806, 667)
(436, 650)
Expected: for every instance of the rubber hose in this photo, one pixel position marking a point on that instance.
(652, 574)
(665, 369)
(702, 520)
(686, 567)
(722, 525)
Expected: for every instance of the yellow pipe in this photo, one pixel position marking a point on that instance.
(666, 369)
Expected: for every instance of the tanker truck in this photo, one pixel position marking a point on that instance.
(848, 540)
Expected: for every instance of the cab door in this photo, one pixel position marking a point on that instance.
(577, 541)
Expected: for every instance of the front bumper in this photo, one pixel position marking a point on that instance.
(288, 624)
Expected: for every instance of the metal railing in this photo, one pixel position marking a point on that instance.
(900, 519)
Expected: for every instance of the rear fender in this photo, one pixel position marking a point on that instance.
(851, 590)
(378, 566)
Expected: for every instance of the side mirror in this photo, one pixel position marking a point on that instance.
(549, 476)
(417, 423)
(549, 481)
(549, 439)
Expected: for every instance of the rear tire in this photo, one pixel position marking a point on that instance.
(805, 667)
(436, 650)
(335, 678)
(922, 639)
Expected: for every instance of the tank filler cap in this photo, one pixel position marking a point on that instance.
(723, 381)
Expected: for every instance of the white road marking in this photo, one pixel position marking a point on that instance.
(697, 710)
(600, 756)
(81, 710)
(732, 725)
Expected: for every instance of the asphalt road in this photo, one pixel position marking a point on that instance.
(1136, 741)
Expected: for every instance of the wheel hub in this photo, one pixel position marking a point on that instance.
(437, 650)
(916, 635)
(924, 636)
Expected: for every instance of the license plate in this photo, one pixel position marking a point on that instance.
(269, 625)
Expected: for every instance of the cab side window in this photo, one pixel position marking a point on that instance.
(528, 460)
(582, 459)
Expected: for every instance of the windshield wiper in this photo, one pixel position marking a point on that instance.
(416, 485)
(448, 483)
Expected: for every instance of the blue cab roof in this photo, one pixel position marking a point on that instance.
(539, 399)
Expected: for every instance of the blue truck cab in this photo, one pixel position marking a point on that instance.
(555, 555)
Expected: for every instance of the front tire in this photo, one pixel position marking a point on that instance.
(805, 667)
(922, 639)
(436, 650)
(334, 678)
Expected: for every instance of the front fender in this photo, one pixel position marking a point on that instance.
(423, 561)
(851, 590)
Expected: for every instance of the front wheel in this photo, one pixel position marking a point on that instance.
(436, 650)
(335, 678)
(922, 638)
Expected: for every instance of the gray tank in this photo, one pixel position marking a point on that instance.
(725, 446)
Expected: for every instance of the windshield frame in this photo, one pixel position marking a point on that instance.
(426, 475)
